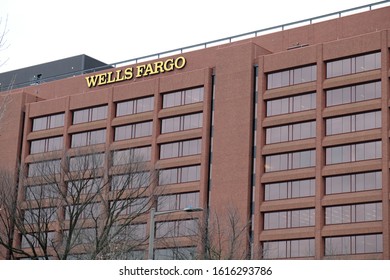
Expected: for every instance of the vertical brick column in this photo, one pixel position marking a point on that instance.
(385, 143)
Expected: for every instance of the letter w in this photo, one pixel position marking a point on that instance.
(92, 81)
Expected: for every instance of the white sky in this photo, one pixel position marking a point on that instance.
(111, 31)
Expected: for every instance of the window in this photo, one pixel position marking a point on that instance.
(88, 138)
(181, 149)
(353, 65)
(179, 175)
(352, 123)
(292, 77)
(289, 219)
(177, 201)
(132, 180)
(46, 145)
(41, 216)
(38, 192)
(90, 114)
(85, 186)
(132, 131)
(289, 189)
(86, 162)
(354, 244)
(180, 123)
(82, 211)
(354, 152)
(133, 206)
(135, 106)
(352, 94)
(129, 156)
(48, 122)
(184, 97)
(289, 161)
(353, 213)
(289, 249)
(44, 168)
(31, 240)
(353, 182)
(176, 253)
(176, 228)
(291, 132)
(291, 104)
(128, 233)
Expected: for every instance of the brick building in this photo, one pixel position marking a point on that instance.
(286, 131)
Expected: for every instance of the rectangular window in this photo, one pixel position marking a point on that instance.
(289, 189)
(292, 77)
(352, 123)
(41, 216)
(135, 130)
(289, 161)
(286, 249)
(291, 132)
(181, 149)
(129, 156)
(90, 114)
(354, 152)
(48, 122)
(86, 162)
(353, 65)
(38, 192)
(354, 244)
(176, 253)
(291, 104)
(133, 206)
(289, 219)
(176, 228)
(352, 94)
(84, 186)
(135, 106)
(179, 175)
(44, 168)
(353, 182)
(46, 145)
(82, 211)
(354, 213)
(137, 179)
(183, 97)
(178, 201)
(88, 138)
(180, 123)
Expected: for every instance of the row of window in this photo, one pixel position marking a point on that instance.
(129, 107)
(338, 96)
(291, 132)
(334, 246)
(336, 68)
(340, 214)
(352, 123)
(333, 185)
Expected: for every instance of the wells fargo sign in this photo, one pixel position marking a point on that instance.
(139, 71)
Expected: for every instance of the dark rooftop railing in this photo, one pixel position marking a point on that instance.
(217, 42)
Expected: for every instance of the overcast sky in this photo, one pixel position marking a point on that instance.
(111, 31)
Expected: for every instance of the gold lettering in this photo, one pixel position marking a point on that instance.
(158, 67)
(144, 70)
(180, 62)
(149, 70)
(109, 78)
(102, 79)
(140, 70)
(119, 76)
(128, 73)
(168, 65)
(91, 81)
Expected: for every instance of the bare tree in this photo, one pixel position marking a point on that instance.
(3, 33)
(224, 236)
(76, 208)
